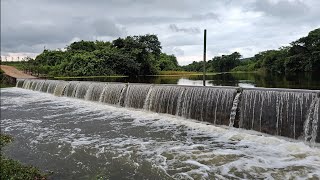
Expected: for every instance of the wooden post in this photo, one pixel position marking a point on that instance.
(204, 57)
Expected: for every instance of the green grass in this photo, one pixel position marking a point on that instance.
(12, 169)
(76, 77)
(182, 73)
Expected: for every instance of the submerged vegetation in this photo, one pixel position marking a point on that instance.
(11, 169)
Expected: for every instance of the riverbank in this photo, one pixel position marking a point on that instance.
(12, 169)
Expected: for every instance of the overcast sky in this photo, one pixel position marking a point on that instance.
(246, 26)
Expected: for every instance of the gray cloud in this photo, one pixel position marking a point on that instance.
(207, 16)
(105, 27)
(191, 30)
(283, 8)
(169, 19)
(247, 26)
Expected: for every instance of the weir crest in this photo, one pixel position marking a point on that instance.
(284, 112)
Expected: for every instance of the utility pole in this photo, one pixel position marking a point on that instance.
(204, 57)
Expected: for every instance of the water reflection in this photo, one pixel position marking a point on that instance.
(185, 81)
(296, 81)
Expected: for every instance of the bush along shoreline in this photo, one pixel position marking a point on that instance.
(13, 169)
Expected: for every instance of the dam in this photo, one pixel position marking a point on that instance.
(282, 112)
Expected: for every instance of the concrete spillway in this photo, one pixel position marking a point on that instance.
(284, 112)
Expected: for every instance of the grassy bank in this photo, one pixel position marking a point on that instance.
(182, 73)
(12, 169)
(85, 77)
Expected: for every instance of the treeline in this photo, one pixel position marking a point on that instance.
(141, 55)
(222, 63)
(133, 55)
(303, 55)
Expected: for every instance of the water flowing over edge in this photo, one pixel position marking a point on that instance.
(289, 113)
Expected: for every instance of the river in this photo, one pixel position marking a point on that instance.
(78, 139)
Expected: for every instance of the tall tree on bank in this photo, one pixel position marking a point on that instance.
(133, 55)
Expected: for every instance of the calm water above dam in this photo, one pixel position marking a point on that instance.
(79, 139)
(291, 81)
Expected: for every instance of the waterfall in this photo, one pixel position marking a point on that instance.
(26, 84)
(39, 85)
(70, 88)
(275, 112)
(111, 93)
(201, 103)
(20, 83)
(33, 85)
(80, 90)
(284, 112)
(311, 126)
(52, 86)
(136, 95)
(44, 87)
(58, 91)
(94, 91)
(234, 109)
(163, 99)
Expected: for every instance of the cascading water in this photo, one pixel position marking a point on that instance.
(163, 99)
(311, 125)
(275, 112)
(111, 93)
(136, 95)
(234, 109)
(58, 91)
(34, 85)
(70, 88)
(94, 91)
(44, 87)
(290, 113)
(20, 83)
(39, 85)
(80, 90)
(26, 84)
(201, 103)
(52, 86)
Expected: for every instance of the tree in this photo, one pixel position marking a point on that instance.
(168, 62)
(133, 55)
(225, 63)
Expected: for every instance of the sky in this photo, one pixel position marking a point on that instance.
(246, 26)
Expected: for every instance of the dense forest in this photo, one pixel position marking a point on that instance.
(133, 55)
(142, 55)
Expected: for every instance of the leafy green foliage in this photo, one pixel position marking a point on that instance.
(141, 55)
(4, 84)
(11, 169)
(194, 66)
(4, 140)
(133, 55)
(225, 63)
(222, 63)
(302, 56)
(168, 62)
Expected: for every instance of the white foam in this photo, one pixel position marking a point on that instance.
(256, 153)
